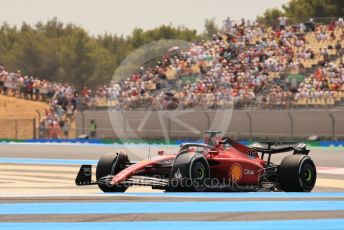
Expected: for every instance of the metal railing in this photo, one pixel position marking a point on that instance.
(18, 128)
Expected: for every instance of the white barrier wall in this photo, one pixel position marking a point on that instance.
(244, 123)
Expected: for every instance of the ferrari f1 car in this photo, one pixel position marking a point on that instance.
(219, 164)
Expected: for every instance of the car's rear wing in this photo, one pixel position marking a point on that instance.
(280, 147)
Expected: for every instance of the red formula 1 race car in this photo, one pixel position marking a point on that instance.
(220, 164)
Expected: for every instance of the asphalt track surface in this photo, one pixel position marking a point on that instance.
(37, 191)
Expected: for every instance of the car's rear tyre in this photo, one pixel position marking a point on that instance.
(297, 173)
(111, 164)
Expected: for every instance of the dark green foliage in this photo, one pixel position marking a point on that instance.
(67, 53)
(270, 16)
(305, 9)
(210, 28)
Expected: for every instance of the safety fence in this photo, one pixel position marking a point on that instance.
(171, 126)
(244, 124)
(18, 128)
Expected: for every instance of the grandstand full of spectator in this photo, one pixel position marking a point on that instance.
(246, 67)
(249, 60)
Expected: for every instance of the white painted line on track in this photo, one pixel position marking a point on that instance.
(330, 170)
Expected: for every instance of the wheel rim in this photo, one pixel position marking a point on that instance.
(308, 174)
(200, 173)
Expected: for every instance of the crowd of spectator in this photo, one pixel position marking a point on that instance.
(324, 84)
(62, 98)
(58, 118)
(240, 67)
(245, 67)
(16, 84)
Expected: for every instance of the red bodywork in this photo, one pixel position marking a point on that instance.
(237, 162)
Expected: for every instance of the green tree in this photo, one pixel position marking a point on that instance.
(270, 16)
(305, 9)
(62, 52)
(210, 28)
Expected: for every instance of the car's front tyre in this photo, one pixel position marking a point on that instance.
(111, 164)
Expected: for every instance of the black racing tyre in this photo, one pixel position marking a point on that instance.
(297, 173)
(199, 173)
(111, 164)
